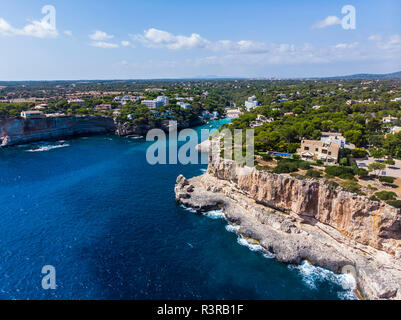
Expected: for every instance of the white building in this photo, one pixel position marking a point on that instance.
(32, 114)
(163, 99)
(251, 103)
(337, 138)
(156, 103)
(184, 105)
(151, 104)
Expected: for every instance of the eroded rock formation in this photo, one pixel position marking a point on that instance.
(17, 131)
(305, 219)
(368, 222)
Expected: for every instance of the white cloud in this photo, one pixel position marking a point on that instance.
(374, 37)
(159, 38)
(104, 45)
(100, 36)
(250, 53)
(346, 45)
(125, 43)
(389, 44)
(38, 29)
(68, 33)
(329, 21)
(155, 38)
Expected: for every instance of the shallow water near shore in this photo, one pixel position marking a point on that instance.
(108, 222)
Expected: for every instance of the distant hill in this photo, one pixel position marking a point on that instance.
(394, 75)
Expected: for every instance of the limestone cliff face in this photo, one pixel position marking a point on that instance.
(16, 131)
(365, 221)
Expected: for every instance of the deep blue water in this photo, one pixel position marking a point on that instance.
(108, 222)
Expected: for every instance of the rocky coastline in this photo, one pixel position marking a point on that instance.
(299, 220)
(15, 131)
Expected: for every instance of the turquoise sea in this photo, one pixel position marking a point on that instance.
(108, 222)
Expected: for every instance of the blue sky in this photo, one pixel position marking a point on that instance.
(119, 39)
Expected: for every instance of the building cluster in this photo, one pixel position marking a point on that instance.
(78, 102)
(260, 120)
(124, 99)
(370, 100)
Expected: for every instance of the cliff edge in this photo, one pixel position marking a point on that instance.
(305, 219)
(18, 131)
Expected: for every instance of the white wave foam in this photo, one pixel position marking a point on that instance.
(48, 148)
(232, 228)
(215, 214)
(269, 255)
(188, 208)
(312, 276)
(251, 246)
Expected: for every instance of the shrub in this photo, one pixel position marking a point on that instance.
(394, 203)
(267, 157)
(351, 186)
(385, 195)
(304, 165)
(332, 185)
(337, 171)
(361, 172)
(297, 175)
(285, 167)
(313, 173)
(319, 162)
(374, 198)
(262, 168)
(386, 179)
(390, 162)
(346, 176)
(359, 153)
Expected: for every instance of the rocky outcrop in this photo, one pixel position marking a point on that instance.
(18, 131)
(14, 131)
(367, 222)
(305, 219)
(128, 128)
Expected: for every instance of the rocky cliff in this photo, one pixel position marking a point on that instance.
(17, 131)
(367, 222)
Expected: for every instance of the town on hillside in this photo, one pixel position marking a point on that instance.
(344, 131)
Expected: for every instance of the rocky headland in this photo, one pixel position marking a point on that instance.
(300, 220)
(14, 131)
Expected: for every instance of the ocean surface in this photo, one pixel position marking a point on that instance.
(108, 222)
